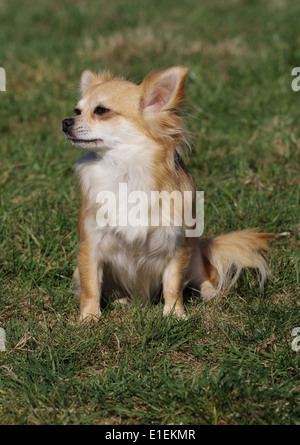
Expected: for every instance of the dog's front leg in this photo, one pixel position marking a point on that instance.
(90, 279)
(173, 281)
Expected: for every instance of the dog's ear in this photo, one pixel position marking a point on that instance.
(90, 78)
(163, 90)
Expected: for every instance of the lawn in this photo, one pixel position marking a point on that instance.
(232, 361)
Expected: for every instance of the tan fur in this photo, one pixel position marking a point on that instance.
(140, 140)
(173, 281)
(228, 254)
(90, 295)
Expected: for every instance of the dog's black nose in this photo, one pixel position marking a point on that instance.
(66, 123)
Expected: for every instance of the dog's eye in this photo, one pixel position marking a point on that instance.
(77, 112)
(101, 110)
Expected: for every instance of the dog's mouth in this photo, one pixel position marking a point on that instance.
(83, 141)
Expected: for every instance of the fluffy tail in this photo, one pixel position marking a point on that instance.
(226, 255)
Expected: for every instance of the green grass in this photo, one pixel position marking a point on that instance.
(232, 361)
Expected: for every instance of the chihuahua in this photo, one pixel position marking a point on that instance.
(135, 137)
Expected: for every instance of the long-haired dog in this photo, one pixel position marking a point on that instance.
(134, 134)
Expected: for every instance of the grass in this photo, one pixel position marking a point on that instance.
(232, 361)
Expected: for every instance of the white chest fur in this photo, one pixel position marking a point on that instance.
(136, 254)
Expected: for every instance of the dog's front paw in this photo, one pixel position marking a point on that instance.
(177, 312)
(90, 314)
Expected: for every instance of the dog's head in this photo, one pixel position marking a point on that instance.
(114, 113)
